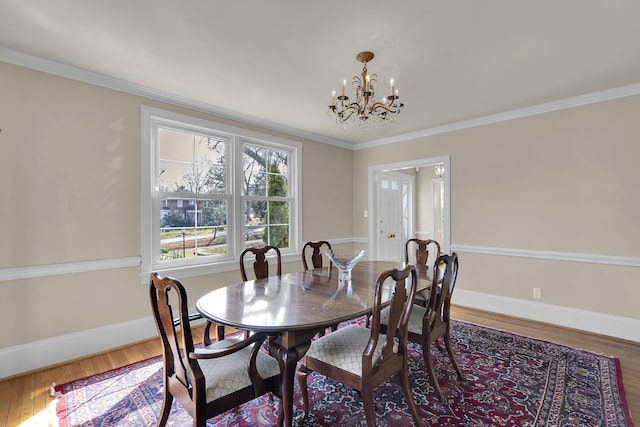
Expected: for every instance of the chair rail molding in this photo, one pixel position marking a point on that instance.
(16, 273)
(551, 255)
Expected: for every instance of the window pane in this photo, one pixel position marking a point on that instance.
(212, 228)
(191, 163)
(192, 227)
(255, 170)
(267, 223)
(175, 145)
(210, 165)
(278, 236)
(255, 220)
(277, 184)
(281, 161)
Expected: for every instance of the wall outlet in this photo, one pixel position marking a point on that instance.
(537, 293)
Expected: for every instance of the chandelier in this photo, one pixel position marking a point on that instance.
(364, 108)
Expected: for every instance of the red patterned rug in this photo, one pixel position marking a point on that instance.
(510, 381)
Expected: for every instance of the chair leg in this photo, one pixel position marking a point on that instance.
(426, 353)
(280, 413)
(406, 387)
(220, 332)
(199, 416)
(303, 373)
(447, 343)
(167, 401)
(367, 401)
(207, 330)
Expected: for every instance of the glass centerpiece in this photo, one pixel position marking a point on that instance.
(345, 260)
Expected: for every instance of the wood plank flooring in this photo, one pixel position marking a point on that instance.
(25, 400)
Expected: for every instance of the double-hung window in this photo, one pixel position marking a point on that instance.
(211, 190)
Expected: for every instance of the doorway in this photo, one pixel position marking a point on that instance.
(398, 209)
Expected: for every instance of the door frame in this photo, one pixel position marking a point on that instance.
(373, 197)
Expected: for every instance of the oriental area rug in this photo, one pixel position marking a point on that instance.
(510, 380)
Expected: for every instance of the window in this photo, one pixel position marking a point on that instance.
(210, 191)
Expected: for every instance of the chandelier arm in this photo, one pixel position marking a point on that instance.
(388, 108)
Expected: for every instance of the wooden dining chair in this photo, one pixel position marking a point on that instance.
(260, 271)
(210, 380)
(315, 249)
(363, 358)
(312, 251)
(421, 247)
(428, 324)
(261, 263)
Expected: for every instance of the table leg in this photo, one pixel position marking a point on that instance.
(288, 360)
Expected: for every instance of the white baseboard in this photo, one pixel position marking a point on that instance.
(50, 351)
(589, 321)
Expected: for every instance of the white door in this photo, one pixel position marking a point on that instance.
(391, 227)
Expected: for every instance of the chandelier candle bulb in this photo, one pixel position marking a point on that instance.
(344, 86)
(393, 89)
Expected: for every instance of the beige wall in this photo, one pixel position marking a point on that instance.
(70, 170)
(564, 181)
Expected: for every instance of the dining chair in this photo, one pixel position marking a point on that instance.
(428, 324)
(421, 258)
(311, 251)
(316, 253)
(260, 271)
(261, 264)
(210, 380)
(364, 358)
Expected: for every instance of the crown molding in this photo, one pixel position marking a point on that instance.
(51, 67)
(576, 101)
(90, 77)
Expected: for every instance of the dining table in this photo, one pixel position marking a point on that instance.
(293, 307)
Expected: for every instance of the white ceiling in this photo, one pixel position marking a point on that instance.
(278, 60)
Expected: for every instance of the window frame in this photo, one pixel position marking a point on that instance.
(151, 119)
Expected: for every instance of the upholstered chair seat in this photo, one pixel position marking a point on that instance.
(343, 348)
(226, 375)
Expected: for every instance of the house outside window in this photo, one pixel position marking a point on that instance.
(211, 190)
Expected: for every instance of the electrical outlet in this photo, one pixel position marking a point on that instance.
(537, 293)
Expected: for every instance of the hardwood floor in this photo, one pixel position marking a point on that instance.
(25, 400)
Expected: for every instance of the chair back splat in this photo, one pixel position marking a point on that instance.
(261, 263)
(422, 250)
(210, 380)
(363, 358)
(421, 260)
(316, 253)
